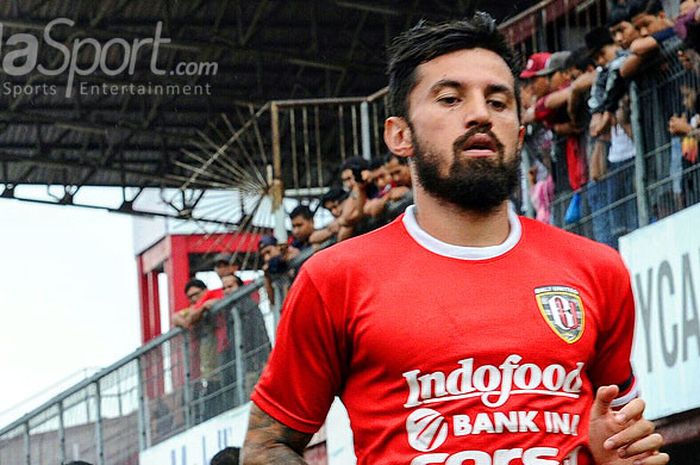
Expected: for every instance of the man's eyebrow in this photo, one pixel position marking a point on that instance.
(490, 89)
(499, 89)
(442, 83)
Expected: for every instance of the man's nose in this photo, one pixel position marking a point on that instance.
(477, 112)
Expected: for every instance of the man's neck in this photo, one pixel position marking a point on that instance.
(453, 225)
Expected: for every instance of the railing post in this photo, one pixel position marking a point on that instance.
(639, 165)
(276, 185)
(61, 434)
(237, 356)
(187, 389)
(143, 408)
(27, 445)
(365, 131)
(98, 425)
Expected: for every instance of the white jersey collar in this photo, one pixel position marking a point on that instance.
(439, 247)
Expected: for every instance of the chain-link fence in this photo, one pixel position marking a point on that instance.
(663, 176)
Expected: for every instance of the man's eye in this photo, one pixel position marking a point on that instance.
(498, 104)
(448, 100)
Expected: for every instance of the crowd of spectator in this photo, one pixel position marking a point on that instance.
(580, 135)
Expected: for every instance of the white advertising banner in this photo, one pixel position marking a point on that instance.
(198, 445)
(664, 264)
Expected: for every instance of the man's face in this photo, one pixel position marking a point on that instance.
(379, 177)
(648, 24)
(540, 86)
(559, 79)
(400, 174)
(302, 228)
(229, 284)
(334, 206)
(465, 129)
(270, 251)
(624, 33)
(222, 269)
(194, 293)
(686, 7)
(348, 179)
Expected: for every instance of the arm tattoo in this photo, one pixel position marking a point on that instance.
(269, 442)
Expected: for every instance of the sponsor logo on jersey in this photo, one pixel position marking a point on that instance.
(427, 429)
(562, 309)
(492, 384)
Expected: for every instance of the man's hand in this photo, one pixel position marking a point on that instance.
(623, 436)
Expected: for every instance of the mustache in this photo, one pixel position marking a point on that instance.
(481, 129)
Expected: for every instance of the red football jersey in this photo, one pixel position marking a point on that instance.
(450, 355)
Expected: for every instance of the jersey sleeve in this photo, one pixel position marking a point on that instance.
(613, 349)
(303, 374)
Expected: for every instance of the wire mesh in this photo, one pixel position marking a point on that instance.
(79, 417)
(12, 446)
(119, 396)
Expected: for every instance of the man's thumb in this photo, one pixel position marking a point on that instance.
(603, 398)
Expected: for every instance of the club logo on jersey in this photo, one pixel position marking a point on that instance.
(562, 309)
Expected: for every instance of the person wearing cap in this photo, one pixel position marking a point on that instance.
(551, 109)
(224, 265)
(275, 258)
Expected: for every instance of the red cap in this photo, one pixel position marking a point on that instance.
(535, 63)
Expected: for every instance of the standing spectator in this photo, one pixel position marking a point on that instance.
(302, 226)
(209, 345)
(537, 142)
(610, 121)
(254, 342)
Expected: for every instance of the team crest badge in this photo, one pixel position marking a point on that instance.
(562, 309)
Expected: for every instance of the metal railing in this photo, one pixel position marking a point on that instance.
(661, 178)
(170, 384)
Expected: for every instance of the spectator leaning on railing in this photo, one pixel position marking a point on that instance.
(332, 201)
(302, 219)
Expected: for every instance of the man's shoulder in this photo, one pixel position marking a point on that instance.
(552, 240)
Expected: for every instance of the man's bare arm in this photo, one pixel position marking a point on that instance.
(269, 442)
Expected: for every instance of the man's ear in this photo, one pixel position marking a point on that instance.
(398, 136)
(521, 138)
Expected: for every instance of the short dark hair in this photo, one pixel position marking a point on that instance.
(654, 7)
(303, 211)
(227, 456)
(195, 283)
(375, 164)
(392, 156)
(426, 41)
(334, 194)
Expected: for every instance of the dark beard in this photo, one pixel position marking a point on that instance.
(477, 185)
